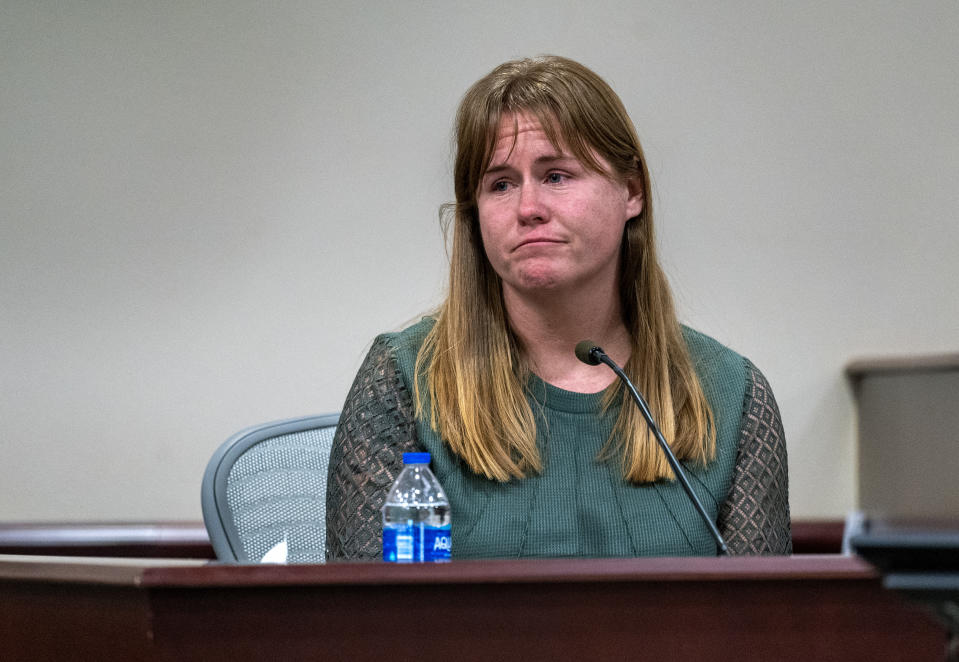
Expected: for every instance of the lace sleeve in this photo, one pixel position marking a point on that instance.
(376, 427)
(754, 518)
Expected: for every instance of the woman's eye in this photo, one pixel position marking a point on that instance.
(555, 177)
(500, 186)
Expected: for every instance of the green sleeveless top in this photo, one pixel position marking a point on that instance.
(579, 506)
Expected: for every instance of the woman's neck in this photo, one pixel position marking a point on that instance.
(549, 327)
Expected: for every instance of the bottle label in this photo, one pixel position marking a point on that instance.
(416, 543)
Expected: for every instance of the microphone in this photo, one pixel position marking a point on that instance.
(588, 352)
(592, 354)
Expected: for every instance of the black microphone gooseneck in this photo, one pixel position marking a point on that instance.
(590, 353)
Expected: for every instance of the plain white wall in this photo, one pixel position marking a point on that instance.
(207, 210)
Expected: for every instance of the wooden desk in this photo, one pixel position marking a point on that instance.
(795, 608)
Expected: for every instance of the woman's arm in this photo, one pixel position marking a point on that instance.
(376, 427)
(754, 518)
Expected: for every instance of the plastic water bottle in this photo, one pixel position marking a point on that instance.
(416, 515)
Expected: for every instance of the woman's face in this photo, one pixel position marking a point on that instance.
(548, 223)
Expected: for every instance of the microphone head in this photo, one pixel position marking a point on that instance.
(588, 352)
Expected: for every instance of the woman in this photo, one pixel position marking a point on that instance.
(538, 452)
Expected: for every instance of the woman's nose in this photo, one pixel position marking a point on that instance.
(532, 207)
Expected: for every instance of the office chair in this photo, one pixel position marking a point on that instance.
(264, 492)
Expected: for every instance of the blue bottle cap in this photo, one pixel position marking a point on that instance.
(416, 458)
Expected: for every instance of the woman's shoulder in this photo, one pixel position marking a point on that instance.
(410, 337)
(405, 344)
(715, 363)
(704, 348)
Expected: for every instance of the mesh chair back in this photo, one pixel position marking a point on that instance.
(264, 492)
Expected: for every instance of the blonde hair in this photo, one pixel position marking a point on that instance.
(471, 365)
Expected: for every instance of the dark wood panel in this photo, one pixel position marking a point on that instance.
(64, 621)
(817, 536)
(121, 539)
(794, 608)
(770, 620)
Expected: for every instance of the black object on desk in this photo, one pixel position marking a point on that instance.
(920, 563)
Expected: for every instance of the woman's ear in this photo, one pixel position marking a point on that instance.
(635, 199)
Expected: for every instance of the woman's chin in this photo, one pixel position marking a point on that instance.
(538, 279)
